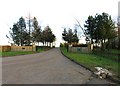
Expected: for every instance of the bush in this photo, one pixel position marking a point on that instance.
(61, 45)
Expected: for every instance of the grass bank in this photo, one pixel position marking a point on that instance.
(91, 61)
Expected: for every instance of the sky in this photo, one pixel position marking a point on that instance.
(55, 13)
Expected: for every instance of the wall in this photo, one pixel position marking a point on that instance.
(79, 49)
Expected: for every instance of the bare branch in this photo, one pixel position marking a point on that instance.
(81, 27)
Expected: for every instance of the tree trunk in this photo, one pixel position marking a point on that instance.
(50, 44)
(38, 43)
(47, 44)
(118, 37)
(108, 44)
(119, 43)
(102, 45)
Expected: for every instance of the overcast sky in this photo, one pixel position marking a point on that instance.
(55, 13)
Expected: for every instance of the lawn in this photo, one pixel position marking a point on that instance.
(0, 53)
(115, 51)
(112, 56)
(43, 49)
(91, 61)
(6, 54)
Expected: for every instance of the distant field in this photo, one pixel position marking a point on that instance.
(91, 61)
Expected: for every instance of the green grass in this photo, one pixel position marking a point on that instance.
(115, 51)
(15, 53)
(4, 54)
(91, 61)
(0, 53)
(112, 54)
(42, 49)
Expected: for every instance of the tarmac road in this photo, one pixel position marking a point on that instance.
(49, 67)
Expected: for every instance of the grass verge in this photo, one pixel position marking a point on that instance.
(6, 54)
(15, 53)
(91, 61)
(0, 53)
(115, 51)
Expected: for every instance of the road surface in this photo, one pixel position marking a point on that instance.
(49, 67)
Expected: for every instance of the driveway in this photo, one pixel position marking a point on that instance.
(49, 67)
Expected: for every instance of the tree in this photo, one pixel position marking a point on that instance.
(23, 32)
(75, 37)
(105, 27)
(37, 33)
(19, 33)
(64, 35)
(48, 36)
(100, 28)
(29, 23)
(118, 32)
(70, 36)
(15, 34)
(21, 36)
(90, 25)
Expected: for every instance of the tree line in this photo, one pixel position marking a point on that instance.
(70, 36)
(20, 35)
(98, 29)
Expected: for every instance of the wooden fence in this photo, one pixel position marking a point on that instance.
(21, 48)
(5, 48)
(17, 48)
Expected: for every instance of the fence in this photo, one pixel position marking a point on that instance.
(5, 48)
(21, 48)
(17, 48)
